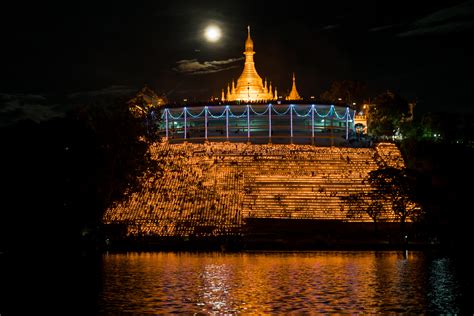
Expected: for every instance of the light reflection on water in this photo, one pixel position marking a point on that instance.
(316, 282)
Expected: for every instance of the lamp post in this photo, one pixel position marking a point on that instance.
(227, 122)
(291, 122)
(166, 119)
(269, 122)
(205, 122)
(248, 122)
(185, 122)
(312, 124)
(347, 123)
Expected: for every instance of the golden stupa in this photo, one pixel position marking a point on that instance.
(294, 95)
(250, 86)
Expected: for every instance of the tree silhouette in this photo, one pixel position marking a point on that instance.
(109, 152)
(386, 116)
(394, 188)
(364, 203)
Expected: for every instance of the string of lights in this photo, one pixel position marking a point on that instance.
(331, 112)
(227, 112)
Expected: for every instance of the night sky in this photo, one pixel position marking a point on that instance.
(53, 53)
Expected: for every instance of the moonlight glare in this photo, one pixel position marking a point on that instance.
(212, 33)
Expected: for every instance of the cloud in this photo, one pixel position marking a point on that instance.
(439, 29)
(16, 107)
(194, 67)
(384, 27)
(448, 20)
(22, 96)
(35, 107)
(330, 27)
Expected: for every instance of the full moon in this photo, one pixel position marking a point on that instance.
(212, 33)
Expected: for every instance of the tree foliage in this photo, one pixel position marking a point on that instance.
(390, 187)
(349, 91)
(108, 152)
(361, 204)
(147, 106)
(63, 173)
(138, 106)
(395, 188)
(388, 113)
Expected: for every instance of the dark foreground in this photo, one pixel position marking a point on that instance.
(273, 266)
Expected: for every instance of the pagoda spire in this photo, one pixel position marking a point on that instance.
(248, 42)
(294, 95)
(249, 85)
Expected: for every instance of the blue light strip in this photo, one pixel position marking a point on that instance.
(219, 116)
(337, 115)
(238, 116)
(321, 115)
(197, 115)
(302, 115)
(175, 118)
(280, 114)
(259, 114)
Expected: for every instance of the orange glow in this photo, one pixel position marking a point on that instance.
(250, 86)
(257, 284)
(210, 189)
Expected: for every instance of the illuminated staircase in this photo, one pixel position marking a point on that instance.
(211, 189)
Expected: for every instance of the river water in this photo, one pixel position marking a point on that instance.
(280, 282)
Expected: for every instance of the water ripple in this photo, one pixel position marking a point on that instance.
(277, 283)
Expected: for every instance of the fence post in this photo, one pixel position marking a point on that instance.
(248, 123)
(312, 124)
(347, 123)
(205, 122)
(166, 119)
(227, 122)
(269, 122)
(185, 122)
(291, 122)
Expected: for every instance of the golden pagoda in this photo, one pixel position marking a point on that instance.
(250, 86)
(294, 95)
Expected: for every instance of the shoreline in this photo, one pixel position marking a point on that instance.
(259, 246)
